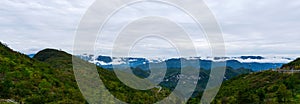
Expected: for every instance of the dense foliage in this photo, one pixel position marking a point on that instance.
(264, 87)
(267, 87)
(48, 77)
(23, 79)
(292, 65)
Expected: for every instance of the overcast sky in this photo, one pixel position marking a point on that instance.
(264, 27)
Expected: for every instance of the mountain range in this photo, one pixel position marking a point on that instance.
(255, 63)
(48, 77)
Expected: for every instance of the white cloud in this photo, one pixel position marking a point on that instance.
(265, 27)
(31, 25)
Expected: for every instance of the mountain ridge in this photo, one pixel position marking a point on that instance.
(48, 78)
(143, 63)
(24, 79)
(266, 87)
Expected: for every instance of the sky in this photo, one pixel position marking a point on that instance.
(265, 27)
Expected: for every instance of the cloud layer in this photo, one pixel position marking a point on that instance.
(265, 27)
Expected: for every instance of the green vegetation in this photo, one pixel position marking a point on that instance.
(31, 81)
(268, 87)
(49, 78)
(264, 87)
(292, 65)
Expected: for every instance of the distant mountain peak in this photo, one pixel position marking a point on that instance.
(50, 53)
(292, 65)
(252, 57)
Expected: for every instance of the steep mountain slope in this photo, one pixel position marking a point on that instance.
(292, 65)
(62, 60)
(27, 80)
(56, 58)
(268, 87)
(49, 78)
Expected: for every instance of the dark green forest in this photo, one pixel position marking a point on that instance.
(267, 87)
(32, 81)
(292, 65)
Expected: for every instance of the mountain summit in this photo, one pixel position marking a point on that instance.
(27, 80)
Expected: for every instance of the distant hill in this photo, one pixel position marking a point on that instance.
(48, 78)
(31, 81)
(255, 63)
(292, 65)
(55, 58)
(263, 87)
(267, 87)
(31, 55)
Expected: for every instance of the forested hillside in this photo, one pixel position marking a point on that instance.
(28, 80)
(292, 65)
(49, 78)
(267, 87)
(263, 87)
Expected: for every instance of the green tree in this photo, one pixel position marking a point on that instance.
(261, 94)
(283, 94)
